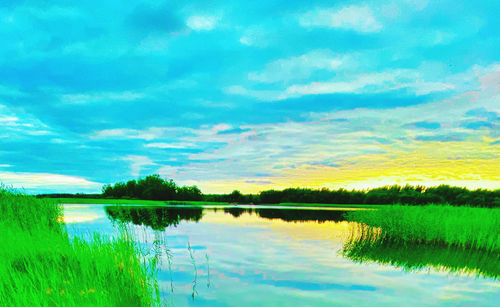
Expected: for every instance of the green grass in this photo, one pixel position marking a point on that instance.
(105, 201)
(41, 266)
(461, 227)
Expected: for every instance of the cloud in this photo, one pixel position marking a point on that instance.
(172, 145)
(264, 95)
(137, 163)
(256, 36)
(491, 80)
(369, 138)
(17, 124)
(350, 18)
(8, 119)
(260, 182)
(233, 131)
(202, 23)
(39, 182)
(147, 134)
(100, 97)
(377, 82)
(370, 83)
(418, 4)
(299, 67)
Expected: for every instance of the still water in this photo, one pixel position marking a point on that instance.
(242, 256)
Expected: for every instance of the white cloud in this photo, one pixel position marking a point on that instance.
(100, 97)
(491, 79)
(6, 119)
(299, 67)
(137, 163)
(45, 181)
(352, 86)
(391, 10)
(15, 123)
(256, 37)
(418, 4)
(200, 23)
(352, 18)
(169, 171)
(258, 94)
(170, 145)
(361, 83)
(147, 134)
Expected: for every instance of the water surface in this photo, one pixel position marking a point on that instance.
(245, 256)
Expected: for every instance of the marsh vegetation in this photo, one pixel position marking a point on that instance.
(41, 266)
(462, 227)
(47, 263)
(462, 240)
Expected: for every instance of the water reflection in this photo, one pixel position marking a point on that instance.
(357, 248)
(281, 257)
(159, 218)
(417, 257)
(302, 215)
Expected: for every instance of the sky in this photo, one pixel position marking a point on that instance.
(249, 95)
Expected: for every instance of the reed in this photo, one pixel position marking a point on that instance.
(42, 266)
(440, 225)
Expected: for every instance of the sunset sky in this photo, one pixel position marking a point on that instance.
(249, 95)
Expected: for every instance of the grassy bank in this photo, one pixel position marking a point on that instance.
(139, 202)
(461, 227)
(41, 266)
(105, 201)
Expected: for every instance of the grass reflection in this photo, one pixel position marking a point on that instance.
(364, 245)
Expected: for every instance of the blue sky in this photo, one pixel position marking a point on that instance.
(249, 95)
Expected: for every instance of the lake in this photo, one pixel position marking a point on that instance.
(268, 256)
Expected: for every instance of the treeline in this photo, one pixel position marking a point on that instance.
(409, 195)
(151, 188)
(69, 195)
(156, 188)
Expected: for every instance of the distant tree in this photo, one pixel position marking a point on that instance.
(236, 197)
(192, 193)
(156, 188)
(131, 189)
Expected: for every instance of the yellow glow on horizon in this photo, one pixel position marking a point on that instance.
(469, 164)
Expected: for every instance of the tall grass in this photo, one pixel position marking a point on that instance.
(462, 227)
(41, 266)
